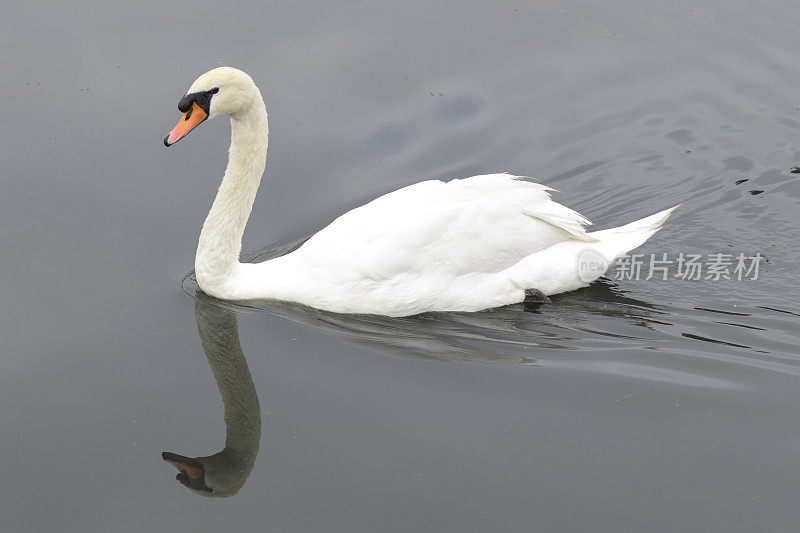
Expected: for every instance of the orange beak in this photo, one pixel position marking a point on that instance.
(190, 120)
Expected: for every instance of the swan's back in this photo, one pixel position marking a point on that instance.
(482, 224)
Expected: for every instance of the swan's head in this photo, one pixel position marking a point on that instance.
(222, 91)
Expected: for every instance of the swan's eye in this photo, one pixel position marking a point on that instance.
(215, 90)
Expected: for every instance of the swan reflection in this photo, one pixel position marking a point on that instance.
(496, 336)
(222, 474)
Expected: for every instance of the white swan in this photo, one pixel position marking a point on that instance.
(462, 245)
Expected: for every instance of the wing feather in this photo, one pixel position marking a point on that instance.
(483, 223)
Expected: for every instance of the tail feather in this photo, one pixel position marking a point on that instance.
(572, 264)
(620, 240)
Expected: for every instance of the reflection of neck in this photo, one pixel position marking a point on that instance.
(221, 238)
(227, 470)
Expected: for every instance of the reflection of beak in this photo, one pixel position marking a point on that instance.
(191, 472)
(190, 120)
(191, 468)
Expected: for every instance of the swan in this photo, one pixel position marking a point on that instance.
(462, 245)
(222, 474)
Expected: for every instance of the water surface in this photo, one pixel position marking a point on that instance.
(650, 405)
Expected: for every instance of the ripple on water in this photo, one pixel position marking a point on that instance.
(600, 329)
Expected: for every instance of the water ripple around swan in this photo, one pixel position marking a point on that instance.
(598, 329)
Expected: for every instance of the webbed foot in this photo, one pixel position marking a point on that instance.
(535, 297)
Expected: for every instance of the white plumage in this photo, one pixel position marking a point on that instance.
(461, 245)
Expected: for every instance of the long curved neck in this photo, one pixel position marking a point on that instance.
(228, 469)
(221, 238)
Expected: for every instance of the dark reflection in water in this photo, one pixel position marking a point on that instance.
(490, 337)
(222, 474)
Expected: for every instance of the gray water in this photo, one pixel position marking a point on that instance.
(649, 405)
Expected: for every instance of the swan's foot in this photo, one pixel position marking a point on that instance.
(535, 297)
